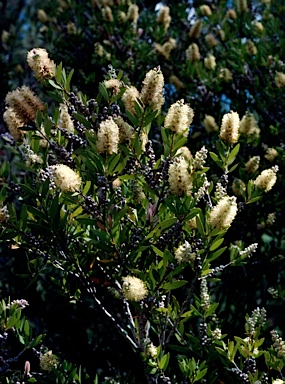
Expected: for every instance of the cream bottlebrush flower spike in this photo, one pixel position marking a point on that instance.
(152, 90)
(252, 164)
(39, 61)
(65, 120)
(229, 132)
(129, 97)
(13, 123)
(210, 124)
(223, 214)
(210, 61)
(179, 177)
(134, 289)
(108, 137)
(65, 178)
(267, 179)
(164, 17)
(248, 125)
(179, 118)
(24, 103)
(193, 53)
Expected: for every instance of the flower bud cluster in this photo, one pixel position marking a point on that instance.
(278, 344)
(150, 350)
(205, 10)
(257, 319)
(221, 191)
(273, 292)
(217, 334)
(248, 251)
(205, 297)
(65, 120)
(4, 215)
(271, 218)
(250, 48)
(126, 131)
(21, 303)
(202, 190)
(200, 158)
(133, 13)
(48, 361)
(30, 156)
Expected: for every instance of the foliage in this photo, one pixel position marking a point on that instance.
(103, 196)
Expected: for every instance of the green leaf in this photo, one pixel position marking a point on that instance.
(13, 320)
(36, 212)
(86, 221)
(133, 119)
(222, 352)
(163, 363)
(157, 251)
(58, 73)
(113, 162)
(200, 374)
(67, 84)
(36, 341)
(216, 159)
(27, 327)
(55, 96)
(193, 212)
(82, 120)
(254, 199)
(211, 309)
(200, 226)
(167, 223)
(233, 154)
(174, 284)
(240, 340)
(149, 118)
(39, 118)
(86, 187)
(217, 254)
(216, 244)
(53, 84)
(233, 168)
(103, 91)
